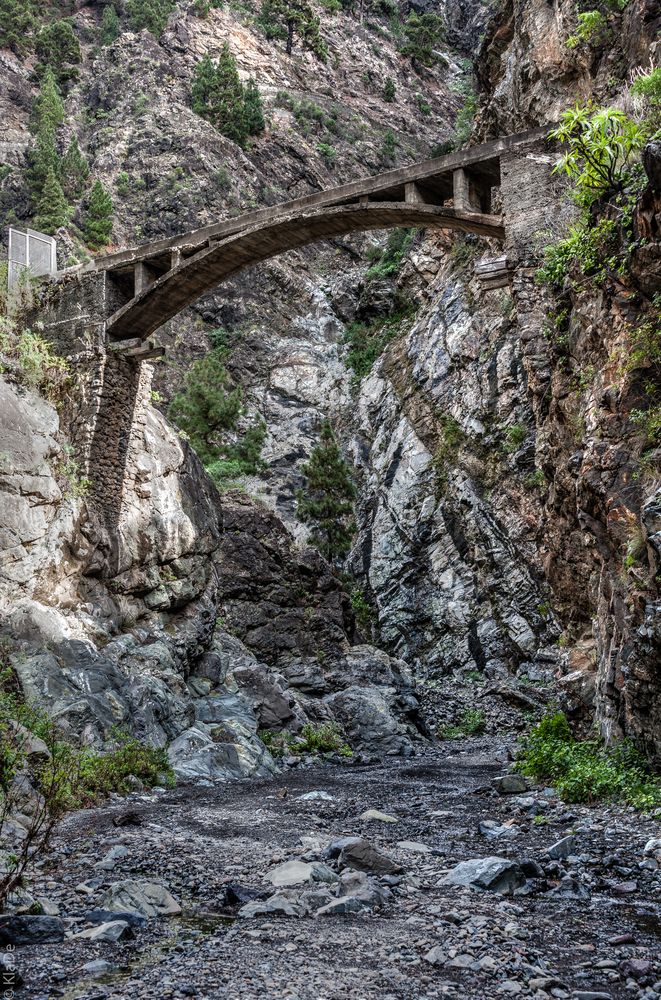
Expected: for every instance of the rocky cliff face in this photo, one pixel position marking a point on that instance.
(500, 484)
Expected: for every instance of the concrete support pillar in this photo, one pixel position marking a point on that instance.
(413, 195)
(142, 277)
(175, 258)
(364, 200)
(464, 193)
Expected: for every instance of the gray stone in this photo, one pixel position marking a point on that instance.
(112, 931)
(99, 967)
(494, 873)
(109, 862)
(493, 830)
(363, 856)
(146, 898)
(343, 905)
(510, 784)
(100, 916)
(562, 848)
(20, 930)
(277, 906)
(374, 815)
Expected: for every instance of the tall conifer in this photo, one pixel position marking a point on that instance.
(326, 500)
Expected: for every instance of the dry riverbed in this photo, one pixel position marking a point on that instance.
(357, 920)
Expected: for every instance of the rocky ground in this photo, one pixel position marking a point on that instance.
(292, 887)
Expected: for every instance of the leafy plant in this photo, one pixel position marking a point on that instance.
(62, 776)
(593, 29)
(388, 147)
(327, 737)
(585, 770)
(367, 341)
(390, 260)
(471, 722)
(514, 437)
(603, 144)
(33, 361)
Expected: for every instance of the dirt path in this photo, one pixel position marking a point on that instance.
(423, 940)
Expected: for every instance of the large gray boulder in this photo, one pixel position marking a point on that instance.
(495, 874)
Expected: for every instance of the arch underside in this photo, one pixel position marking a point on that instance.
(184, 284)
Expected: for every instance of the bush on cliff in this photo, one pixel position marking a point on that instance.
(585, 770)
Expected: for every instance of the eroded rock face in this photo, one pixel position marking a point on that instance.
(187, 631)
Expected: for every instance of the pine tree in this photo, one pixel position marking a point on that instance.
(17, 21)
(150, 14)
(59, 49)
(389, 90)
(52, 208)
(98, 219)
(47, 116)
(288, 18)
(227, 101)
(110, 27)
(326, 500)
(253, 109)
(219, 96)
(204, 85)
(75, 171)
(208, 407)
(48, 110)
(424, 33)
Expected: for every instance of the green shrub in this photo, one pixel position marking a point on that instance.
(367, 341)
(471, 722)
(389, 90)
(327, 737)
(593, 29)
(390, 260)
(514, 437)
(65, 776)
(328, 152)
(585, 770)
(34, 362)
(451, 438)
(590, 248)
(218, 95)
(603, 146)
(388, 148)
(150, 14)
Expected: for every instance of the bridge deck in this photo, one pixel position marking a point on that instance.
(433, 178)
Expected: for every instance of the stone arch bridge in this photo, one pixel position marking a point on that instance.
(103, 314)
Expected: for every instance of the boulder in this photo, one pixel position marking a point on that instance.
(495, 874)
(373, 815)
(363, 856)
(20, 930)
(149, 899)
(300, 873)
(562, 848)
(510, 784)
(279, 905)
(111, 931)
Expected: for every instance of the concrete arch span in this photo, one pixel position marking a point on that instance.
(182, 285)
